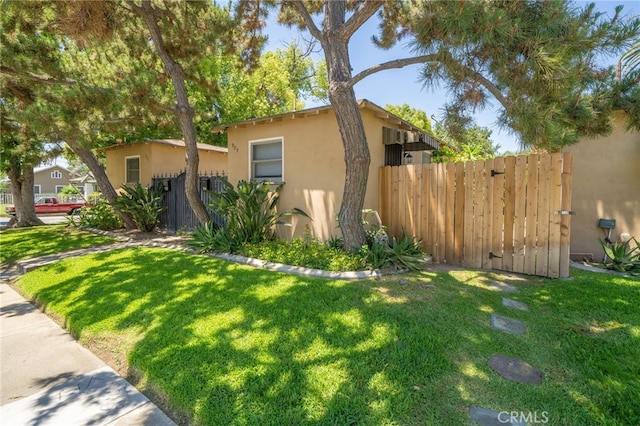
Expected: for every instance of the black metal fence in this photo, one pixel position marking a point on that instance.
(178, 214)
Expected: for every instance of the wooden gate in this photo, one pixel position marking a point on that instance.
(507, 213)
(178, 214)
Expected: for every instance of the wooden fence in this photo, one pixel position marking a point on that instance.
(507, 213)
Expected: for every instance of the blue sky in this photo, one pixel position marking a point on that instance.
(401, 86)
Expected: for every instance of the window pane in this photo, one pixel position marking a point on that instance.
(267, 151)
(268, 169)
(133, 170)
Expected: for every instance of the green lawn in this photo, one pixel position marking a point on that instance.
(217, 343)
(25, 243)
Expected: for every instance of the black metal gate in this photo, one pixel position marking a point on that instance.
(178, 214)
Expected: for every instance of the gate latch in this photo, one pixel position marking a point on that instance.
(494, 256)
(565, 212)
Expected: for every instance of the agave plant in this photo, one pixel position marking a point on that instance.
(249, 211)
(623, 257)
(143, 203)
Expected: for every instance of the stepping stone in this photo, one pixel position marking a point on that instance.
(507, 324)
(487, 417)
(502, 287)
(515, 369)
(510, 303)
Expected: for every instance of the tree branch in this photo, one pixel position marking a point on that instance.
(397, 63)
(492, 88)
(308, 20)
(360, 16)
(38, 78)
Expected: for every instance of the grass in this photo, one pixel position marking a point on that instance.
(219, 343)
(3, 213)
(25, 243)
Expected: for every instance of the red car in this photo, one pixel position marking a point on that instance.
(51, 205)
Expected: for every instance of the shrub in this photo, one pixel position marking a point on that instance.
(99, 216)
(144, 204)
(249, 213)
(623, 257)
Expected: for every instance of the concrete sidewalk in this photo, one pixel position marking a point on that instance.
(47, 378)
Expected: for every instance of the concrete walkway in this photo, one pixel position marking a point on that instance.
(49, 379)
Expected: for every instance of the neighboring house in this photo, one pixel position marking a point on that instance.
(50, 179)
(86, 184)
(605, 185)
(139, 162)
(304, 150)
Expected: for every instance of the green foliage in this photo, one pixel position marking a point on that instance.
(98, 216)
(204, 238)
(249, 213)
(623, 257)
(538, 60)
(143, 204)
(415, 116)
(468, 143)
(405, 253)
(70, 190)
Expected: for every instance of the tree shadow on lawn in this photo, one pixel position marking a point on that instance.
(227, 344)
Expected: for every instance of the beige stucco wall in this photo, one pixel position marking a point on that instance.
(313, 166)
(157, 158)
(606, 184)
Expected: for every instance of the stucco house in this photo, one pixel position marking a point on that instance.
(605, 185)
(139, 162)
(304, 150)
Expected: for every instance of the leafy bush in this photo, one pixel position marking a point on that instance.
(144, 204)
(99, 216)
(623, 257)
(249, 213)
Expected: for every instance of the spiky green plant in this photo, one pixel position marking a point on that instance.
(250, 212)
(144, 204)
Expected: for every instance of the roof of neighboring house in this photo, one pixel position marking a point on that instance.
(362, 103)
(170, 142)
(53, 166)
(87, 178)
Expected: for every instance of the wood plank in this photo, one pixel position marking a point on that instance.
(497, 213)
(565, 220)
(424, 208)
(417, 189)
(450, 212)
(410, 182)
(395, 200)
(531, 215)
(544, 182)
(385, 195)
(468, 214)
(555, 201)
(519, 219)
(487, 216)
(402, 200)
(433, 211)
(478, 212)
(441, 211)
(509, 211)
(458, 242)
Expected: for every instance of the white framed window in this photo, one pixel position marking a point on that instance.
(266, 160)
(37, 189)
(56, 174)
(59, 188)
(132, 169)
